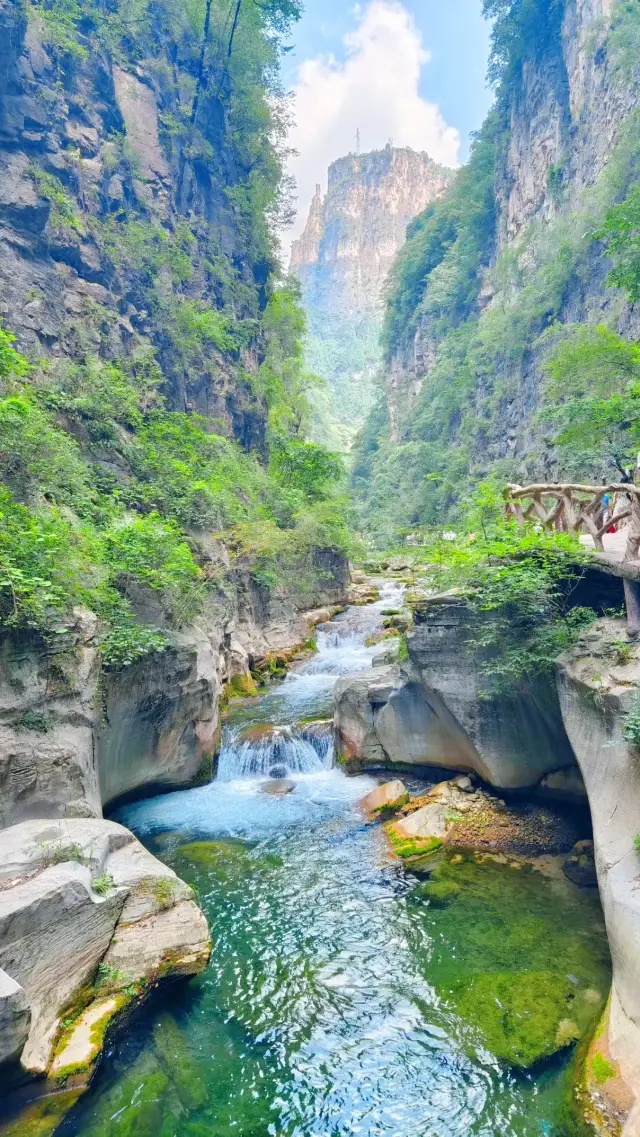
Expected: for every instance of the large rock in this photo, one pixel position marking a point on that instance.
(389, 796)
(77, 893)
(15, 1019)
(384, 719)
(49, 709)
(595, 694)
(517, 738)
(162, 719)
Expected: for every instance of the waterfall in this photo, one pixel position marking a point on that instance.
(276, 752)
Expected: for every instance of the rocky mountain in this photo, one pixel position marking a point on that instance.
(507, 268)
(343, 258)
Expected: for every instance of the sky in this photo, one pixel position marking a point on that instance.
(410, 71)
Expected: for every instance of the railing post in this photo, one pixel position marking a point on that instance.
(631, 587)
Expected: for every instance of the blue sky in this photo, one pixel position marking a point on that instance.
(412, 70)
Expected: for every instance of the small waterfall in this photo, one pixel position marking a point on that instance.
(275, 752)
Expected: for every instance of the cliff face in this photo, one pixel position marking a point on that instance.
(343, 257)
(464, 359)
(110, 218)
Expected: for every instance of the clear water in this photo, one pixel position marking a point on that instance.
(326, 1007)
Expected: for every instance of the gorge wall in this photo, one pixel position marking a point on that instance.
(504, 269)
(153, 551)
(342, 260)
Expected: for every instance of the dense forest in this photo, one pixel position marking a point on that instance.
(510, 329)
(156, 390)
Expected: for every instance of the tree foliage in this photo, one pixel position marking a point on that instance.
(621, 231)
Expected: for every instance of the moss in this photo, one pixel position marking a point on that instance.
(411, 846)
(42, 1117)
(379, 637)
(179, 1063)
(388, 810)
(135, 1107)
(210, 854)
(163, 890)
(601, 1069)
(96, 1040)
(516, 1013)
(440, 892)
(240, 687)
(206, 769)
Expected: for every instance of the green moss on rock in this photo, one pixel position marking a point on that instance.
(517, 1013)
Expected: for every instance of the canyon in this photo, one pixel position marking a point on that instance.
(343, 258)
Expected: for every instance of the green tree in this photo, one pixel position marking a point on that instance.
(593, 383)
(621, 231)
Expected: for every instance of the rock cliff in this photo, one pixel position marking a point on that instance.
(512, 251)
(343, 257)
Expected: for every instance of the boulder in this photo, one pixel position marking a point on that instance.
(74, 894)
(387, 797)
(15, 1019)
(278, 787)
(385, 719)
(515, 738)
(580, 865)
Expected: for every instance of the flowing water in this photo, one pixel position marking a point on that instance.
(328, 1007)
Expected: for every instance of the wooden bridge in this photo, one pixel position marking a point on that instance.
(575, 508)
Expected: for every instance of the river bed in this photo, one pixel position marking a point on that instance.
(328, 1007)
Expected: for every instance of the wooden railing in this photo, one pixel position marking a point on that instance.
(575, 508)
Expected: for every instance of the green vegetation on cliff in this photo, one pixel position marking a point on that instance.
(141, 437)
(509, 351)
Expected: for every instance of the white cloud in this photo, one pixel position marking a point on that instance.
(375, 89)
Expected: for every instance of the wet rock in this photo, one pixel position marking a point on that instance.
(279, 787)
(465, 784)
(15, 1019)
(386, 798)
(76, 893)
(520, 1016)
(580, 865)
(478, 820)
(278, 773)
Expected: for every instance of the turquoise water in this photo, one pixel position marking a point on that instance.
(326, 1009)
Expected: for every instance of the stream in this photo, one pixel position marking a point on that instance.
(326, 1007)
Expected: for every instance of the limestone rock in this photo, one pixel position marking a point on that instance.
(389, 796)
(76, 893)
(580, 865)
(171, 942)
(593, 713)
(15, 1019)
(49, 707)
(349, 243)
(518, 738)
(383, 719)
(54, 930)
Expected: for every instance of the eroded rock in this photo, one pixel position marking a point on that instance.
(75, 894)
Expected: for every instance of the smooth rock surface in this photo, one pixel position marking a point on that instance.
(278, 787)
(594, 695)
(55, 927)
(516, 739)
(383, 719)
(15, 1019)
(385, 797)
